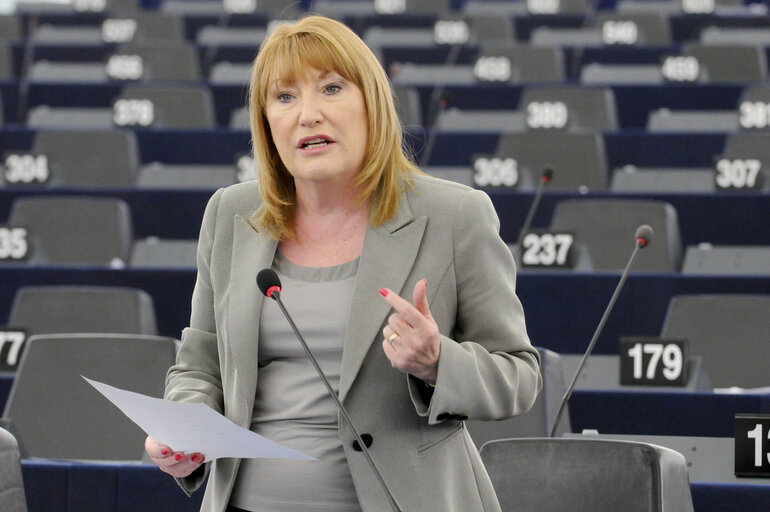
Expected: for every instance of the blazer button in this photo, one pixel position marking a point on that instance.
(366, 438)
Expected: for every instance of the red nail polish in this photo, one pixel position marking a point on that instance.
(383, 292)
(164, 452)
(196, 458)
(178, 456)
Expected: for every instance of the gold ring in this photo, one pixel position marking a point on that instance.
(392, 337)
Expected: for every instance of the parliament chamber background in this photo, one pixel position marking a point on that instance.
(120, 118)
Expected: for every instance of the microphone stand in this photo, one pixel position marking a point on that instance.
(545, 179)
(275, 294)
(641, 242)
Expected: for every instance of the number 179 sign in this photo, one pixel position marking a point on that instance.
(653, 361)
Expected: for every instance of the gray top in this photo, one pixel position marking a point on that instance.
(292, 405)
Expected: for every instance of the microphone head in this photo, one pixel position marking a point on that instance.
(547, 174)
(268, 282)
(643, 235)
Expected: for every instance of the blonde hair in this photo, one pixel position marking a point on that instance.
(328, 45)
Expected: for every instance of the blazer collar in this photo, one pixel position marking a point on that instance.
(252, 251)
(386, 261)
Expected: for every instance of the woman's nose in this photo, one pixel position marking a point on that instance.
(311, 112)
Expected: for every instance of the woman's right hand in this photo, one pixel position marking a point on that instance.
(176, 464)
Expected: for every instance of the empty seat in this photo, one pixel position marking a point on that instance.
(729, 331)
(749, 36)
(577, 159)
(159, 62)
(457, 174)
(74, 230)
(398, 37)
(12, 497)
(57, 414)
(151, 27)
(71, 309)
(489, 29)
(501, 8)
(158, 175)
(728, 64)
(607, 229)
(47, 117)
(554, 475)
(6, 62)
(537, 421)
(10, 29)
(698, 121)
(89, 158)
(230, 73)
(650, 28)
(455, 120)
(620, 74)
(214, 35)
(662, 180)
(727, 260)
(529, 64)
(338, 9)
(432, 74)
(160, 253)
(580, 107)
(44, 71)
(749, 145)
(408, 106)
(172, 107)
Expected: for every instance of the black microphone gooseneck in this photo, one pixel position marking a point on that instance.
(642, 237)
(545, 178)
(270, 285)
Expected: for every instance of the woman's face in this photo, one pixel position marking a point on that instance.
(319, 126)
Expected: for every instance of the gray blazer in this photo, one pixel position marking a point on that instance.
(444, 232)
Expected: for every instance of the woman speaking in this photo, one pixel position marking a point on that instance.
(399, 282)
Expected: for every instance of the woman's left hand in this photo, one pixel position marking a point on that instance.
(412, 342)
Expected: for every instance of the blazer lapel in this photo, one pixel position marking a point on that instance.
(252, 251)
(387, 259)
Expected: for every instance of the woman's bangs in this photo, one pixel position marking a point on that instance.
(297, 55)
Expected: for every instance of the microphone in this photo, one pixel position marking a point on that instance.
(545, 178)
(270, 285)
(642, 239)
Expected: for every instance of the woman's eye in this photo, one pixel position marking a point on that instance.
(333, 88)
(284, 97)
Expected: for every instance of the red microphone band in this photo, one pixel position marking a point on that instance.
(641, 242)
(274, 288)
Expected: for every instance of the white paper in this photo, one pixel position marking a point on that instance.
(192, 428)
